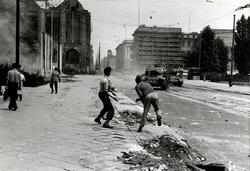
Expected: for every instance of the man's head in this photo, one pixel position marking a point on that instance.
(56, 69)
(14, 65)
(138, 79)
(107, 71)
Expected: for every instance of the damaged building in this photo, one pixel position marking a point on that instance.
(60, 35)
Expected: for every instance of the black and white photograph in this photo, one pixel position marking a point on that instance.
(124, 85)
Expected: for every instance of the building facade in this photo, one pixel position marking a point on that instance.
(123, 55)
(227, 36)
(157, 45)
(188, 41)
(109, 60)
(63, 35)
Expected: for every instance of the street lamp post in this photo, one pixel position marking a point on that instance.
(17, 30)
(232, 56)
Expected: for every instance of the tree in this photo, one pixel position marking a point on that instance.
(214, 53)
(221, 52)
(242, 45)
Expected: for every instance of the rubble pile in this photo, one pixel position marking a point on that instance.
(130, 117)
(164, 153)
(142, 161)
(175, 154)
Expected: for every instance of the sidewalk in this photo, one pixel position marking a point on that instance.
(52, 132)
(219, 86)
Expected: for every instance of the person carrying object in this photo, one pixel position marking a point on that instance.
(13, 84)
(147, 96)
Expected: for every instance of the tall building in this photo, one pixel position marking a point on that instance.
(188, 40)
(123, 55)
(59, 34)
(157, 45)
(109, 60)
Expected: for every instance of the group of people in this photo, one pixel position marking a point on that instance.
(14, 84)
(144, 90)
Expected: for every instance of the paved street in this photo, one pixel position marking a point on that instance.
(213, 121)
(57, 132)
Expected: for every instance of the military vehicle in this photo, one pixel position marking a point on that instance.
(160, 76)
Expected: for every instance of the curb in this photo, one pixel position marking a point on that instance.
(151, 130)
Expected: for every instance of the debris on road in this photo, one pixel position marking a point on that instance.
(130, 117)
(168, 153)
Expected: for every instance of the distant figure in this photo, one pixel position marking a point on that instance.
(105, 88)
(230, 81)
(55, 78)
(20, 94)
(147, 96)
(13, 84)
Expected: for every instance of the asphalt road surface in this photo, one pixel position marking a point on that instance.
(214, 122)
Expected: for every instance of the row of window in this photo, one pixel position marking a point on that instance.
(73, 27)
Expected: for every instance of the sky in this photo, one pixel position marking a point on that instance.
(115, 20)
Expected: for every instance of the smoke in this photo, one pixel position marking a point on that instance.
(7, 31)
(29, 45)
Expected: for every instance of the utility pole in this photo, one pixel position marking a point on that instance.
(189, 22)
(232, 56)
(125, 30)
(99, 58)
(139, 12)
(200, 51)
(17, 31)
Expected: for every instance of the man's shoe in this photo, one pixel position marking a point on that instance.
(52, 92)
(107, 126)
(140, 129)
(159, 121)
(98, 121)
(14, 109)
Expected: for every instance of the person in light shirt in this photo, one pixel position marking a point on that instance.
(13, 84)
(104, 94)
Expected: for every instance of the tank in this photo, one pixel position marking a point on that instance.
(160, 76)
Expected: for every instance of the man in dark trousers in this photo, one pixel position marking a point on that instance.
(147, 96)
(13, 84)
(55, 78)
(104, 93)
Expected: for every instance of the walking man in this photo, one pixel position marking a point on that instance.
(147, 96)
(105, 88)
(55, 78)
(13, 84)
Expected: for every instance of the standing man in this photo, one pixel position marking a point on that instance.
(105, 88)
(55, 78)
(147, 96)
(13, 83)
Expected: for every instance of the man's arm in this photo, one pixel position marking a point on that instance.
(59, 78)
(8, 78)
(139, 93)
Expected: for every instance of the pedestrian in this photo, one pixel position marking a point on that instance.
(147, 96)
(104, 94)
(19, 92)
(55, 78)
(13, 84)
